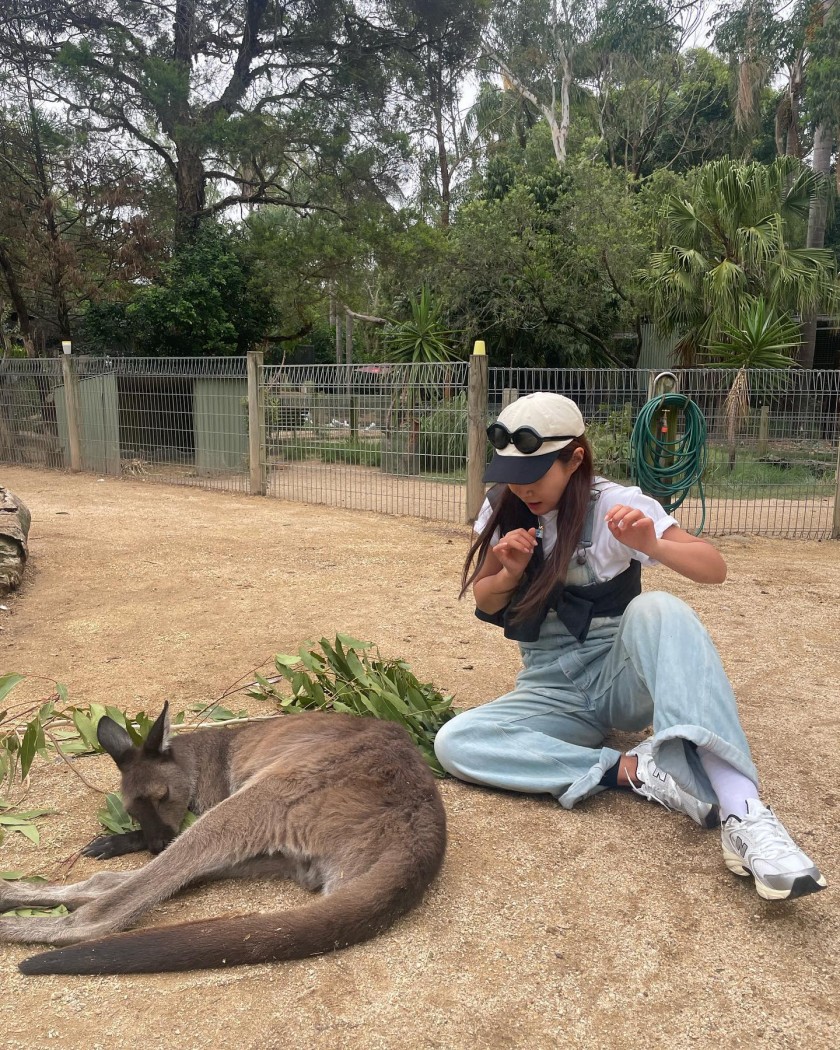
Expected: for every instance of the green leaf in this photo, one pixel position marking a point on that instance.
(284, 660)
(353, 643)
(113, 815)
(87, 729)
(29, 747)
(59, 909)
(33, 814)
(8, 682)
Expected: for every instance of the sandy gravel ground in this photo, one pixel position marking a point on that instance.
(614, 925)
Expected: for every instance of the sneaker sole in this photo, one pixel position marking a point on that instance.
(801, 886)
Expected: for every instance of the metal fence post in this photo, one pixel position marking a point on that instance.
(71, 404)
(835, 527)
(256, 423)
(476, 430)
(763, 431)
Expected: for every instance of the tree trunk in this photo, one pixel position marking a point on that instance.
(190, 185)
(18, 301)
(565, 107)
(823, 145)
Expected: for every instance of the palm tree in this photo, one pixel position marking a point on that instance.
(734, 241)
(420, 341)
(760, 340)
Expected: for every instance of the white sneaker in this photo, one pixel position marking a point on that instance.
(758, 845)
(661, 787)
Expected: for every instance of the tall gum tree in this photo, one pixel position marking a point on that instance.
(242, 101)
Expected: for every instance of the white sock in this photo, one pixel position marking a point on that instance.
(731, 787)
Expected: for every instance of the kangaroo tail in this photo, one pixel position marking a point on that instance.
(356, 911)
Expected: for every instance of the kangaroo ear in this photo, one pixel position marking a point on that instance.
(158, 739)
(114, 739)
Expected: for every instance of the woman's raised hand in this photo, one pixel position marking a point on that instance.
(515, 549)
(632, 527)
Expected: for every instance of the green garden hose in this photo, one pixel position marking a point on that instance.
(669, 469)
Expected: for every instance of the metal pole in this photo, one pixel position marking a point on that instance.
(476, 430)
(835, 529)
(256, 423)
(71, 404)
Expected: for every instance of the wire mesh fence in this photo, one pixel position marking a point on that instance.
(390, 438)
(28, 425)
(772, 454)
(393, 438)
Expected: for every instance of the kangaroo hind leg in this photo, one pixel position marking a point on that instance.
(222, 840)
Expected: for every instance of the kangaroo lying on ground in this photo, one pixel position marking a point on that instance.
(343, 805)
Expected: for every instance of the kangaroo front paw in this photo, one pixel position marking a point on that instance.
(106, 846)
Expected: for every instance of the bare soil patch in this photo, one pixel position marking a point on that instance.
(613, 925)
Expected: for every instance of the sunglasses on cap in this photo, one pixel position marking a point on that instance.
(524, 439)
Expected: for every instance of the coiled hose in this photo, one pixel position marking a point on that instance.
(668, 470)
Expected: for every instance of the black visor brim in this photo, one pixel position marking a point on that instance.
(518, 470)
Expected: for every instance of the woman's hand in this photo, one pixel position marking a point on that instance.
(686, 554)
(503, 569)
(515, 549)
(633, 528)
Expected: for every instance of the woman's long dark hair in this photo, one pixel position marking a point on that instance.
(511, 513)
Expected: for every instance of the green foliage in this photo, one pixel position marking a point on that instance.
(59, 909)
(114, 817)
(760, 339)
(822, 84)
(206, 303)
(732, 241)
(443, 436)
(355, 451)
(422, 338)
(22, 822)
(347, 676)
(545, 272)
(789, 475)
(54, 726)
(610, 441)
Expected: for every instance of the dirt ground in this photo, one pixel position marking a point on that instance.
(612, 925)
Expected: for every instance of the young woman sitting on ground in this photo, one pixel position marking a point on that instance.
(557, 564)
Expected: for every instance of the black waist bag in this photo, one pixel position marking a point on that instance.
(576, 607)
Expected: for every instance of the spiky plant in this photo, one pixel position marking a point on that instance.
(761, 339)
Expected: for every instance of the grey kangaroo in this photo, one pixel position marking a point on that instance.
(345, 806)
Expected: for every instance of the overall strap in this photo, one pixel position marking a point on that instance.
(585, 541)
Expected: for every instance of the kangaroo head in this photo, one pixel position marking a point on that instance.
(155, 789)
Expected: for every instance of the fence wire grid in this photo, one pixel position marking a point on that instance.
(393, 438)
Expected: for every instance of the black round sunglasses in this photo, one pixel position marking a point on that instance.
(524, 439)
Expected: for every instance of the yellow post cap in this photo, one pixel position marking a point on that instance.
(478, 348)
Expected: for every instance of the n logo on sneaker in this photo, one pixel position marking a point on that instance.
(740, 845)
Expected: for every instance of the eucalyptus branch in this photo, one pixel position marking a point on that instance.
(70, 766)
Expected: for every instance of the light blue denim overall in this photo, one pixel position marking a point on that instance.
(655, 665)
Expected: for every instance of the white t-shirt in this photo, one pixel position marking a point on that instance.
(607, 556)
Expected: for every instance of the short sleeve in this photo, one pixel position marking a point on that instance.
(483, 518)
(632, 496)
